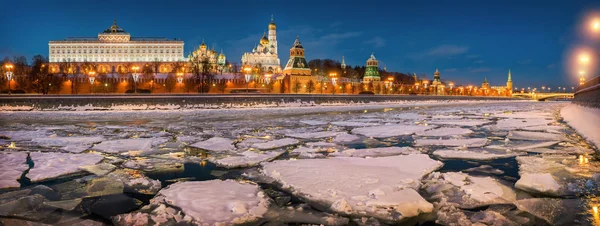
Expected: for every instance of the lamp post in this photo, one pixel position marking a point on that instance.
(268, 77)
(135, 76)
(9, 74)
(417, 87)
(333, 77)
(425, 83)
(92, 78)
(451, 87)
(391, 81)
(247, 76)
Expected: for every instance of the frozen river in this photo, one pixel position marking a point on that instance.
(450, 163)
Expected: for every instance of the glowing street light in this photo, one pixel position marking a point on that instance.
(596, 25)
(135, 76)
(9, 74)
(451, 87)
(333, 77)
(247, 76)
(584, 59)
(92, 78)
(268, 77)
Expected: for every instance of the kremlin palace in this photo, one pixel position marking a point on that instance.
(114, 57)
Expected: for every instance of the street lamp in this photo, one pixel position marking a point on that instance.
(92, 78)
(391, 81)
(135, 76)
(425, 83)
(451, 87)
(247, 76)
(268, 77)
(9, 74)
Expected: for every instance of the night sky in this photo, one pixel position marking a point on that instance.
(466, 40)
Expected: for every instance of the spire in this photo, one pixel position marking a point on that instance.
(343, 63)
(485, 80)
(115, 22)
(272, 20)
(509, 76)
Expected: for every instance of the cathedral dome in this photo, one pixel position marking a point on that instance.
(203, 45)
(272, 25)
(264, 40)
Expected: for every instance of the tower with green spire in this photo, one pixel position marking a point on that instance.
(509, 83)
(372, 71)
(343, 63)
(436, 78)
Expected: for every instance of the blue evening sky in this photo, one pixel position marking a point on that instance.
(466, 40)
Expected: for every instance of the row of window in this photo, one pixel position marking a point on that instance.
(114, 56)
(101, 59)
(68, 51)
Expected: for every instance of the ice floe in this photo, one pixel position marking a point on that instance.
(245, 159)
(49, 166)
(123, 145)
(445, 131)
(382, 188)
(67, 141)
(390, 130)
(469, 142)
(353, 124)
(473, 122)
(12, 166)
(474, 154)
(216, 144)
(536, 136)
(523, 146)
(375, 152)
(512, 124)
(314, 135)
(273, 144)
(585, 120)
(345, 138)
(212, 202)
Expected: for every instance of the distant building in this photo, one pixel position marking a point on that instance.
(488, 90)
(297, 64)
(115, 45)
(217, 61)
(372, 70)
(264, 55)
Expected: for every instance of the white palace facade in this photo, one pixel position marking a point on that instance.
(114, 45)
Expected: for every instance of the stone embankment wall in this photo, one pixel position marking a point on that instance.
(588, 94)
(175, 102)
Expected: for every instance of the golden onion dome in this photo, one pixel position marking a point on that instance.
(264, 40)
(272, 26)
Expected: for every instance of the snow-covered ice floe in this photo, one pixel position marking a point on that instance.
(469, 191)
(523, 146)
(469, 143)
(67, 141)
(273, 144)
(345, 138)
(375, 152)
(213, 202)
(386, 131)
(445, 131)
(123, 145)
(474, 154)
(12, 166)
(558, 175)
(473, 122)
(513, 124)
(537, 136)
(216, 144)
(585, 120)
(383, 187)
(245, 159)
(49, 166)
(353, 124)
(314, 135)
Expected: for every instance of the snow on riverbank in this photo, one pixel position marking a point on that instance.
(585, 120)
